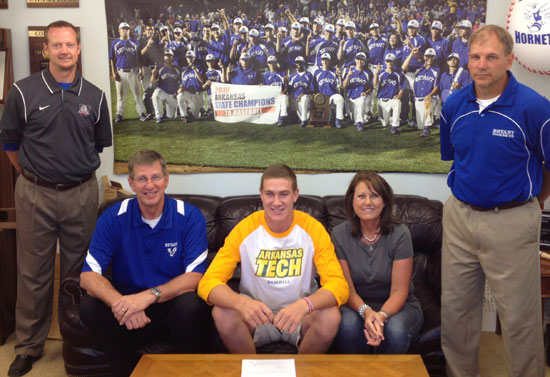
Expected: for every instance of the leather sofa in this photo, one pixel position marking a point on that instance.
(421, 215)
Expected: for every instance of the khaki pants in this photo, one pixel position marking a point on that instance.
(44, 216)
(502, 246)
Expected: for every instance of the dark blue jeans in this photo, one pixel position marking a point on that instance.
(398, 332)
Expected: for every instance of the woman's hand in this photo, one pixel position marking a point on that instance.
(374, 327)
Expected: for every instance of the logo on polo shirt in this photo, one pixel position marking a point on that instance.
(503, 133)
(84, 110)
(171, 248)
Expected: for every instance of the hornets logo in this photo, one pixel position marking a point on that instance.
(536, 14)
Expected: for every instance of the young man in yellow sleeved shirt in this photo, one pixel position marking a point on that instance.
(280, 251)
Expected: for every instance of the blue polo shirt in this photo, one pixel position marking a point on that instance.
(241, 76)
(143, 257)
(498, 154)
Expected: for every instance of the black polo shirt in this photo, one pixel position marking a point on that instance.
(57, 130)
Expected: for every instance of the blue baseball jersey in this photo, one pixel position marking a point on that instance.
(419, 42)
(293, 50)
(274, 79)
(328, 47)
(352, 46)
(214, 75)
(447, 79)
(314, 41)
(389, 84)
(190, 81)
(359, 81)
(125, 53)
(169, 79)
(425, 80)
(442, 48)
(142, 257)
(301, 83)
(498, 154)
(461, 48)
(327, 82)
(220, 49)
(376, 50)
(247, 76)
(259, 54)
(200, 47)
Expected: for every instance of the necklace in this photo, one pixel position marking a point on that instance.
(373, 238)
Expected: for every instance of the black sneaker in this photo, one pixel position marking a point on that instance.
(395, 131)
(22, 365)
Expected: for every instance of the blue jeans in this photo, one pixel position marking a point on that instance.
(398, 332)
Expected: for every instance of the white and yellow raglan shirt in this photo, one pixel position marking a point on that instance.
(278, 268)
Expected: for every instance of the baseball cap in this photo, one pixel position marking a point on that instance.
(453, 55)
(326, 55)
(329, 28)
(319, 21)
(190, 53)
(413, 23)
(374, 26)
(341, 22)
(296, 25)
(283, 29)
(243, 29)
(253, 32)
(177, 30)
(210, 57)
(215, 27)
(300, 59)
(390, 57)
(271, 59)
(304, 19)
(237, 21)
(245, 56)
(123, 25)
(350, 24)
(437, 25)
(430, 52)
(163, 28)
(465, 24)
(169, 52)
(361, 55)
(269, 26)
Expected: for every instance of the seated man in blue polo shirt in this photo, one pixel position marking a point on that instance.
(157, 248)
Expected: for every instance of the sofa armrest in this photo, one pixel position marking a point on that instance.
(71, 286)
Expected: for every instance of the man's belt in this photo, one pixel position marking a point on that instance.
(126, 69)
(508, 205)
(56, 186)
(384, 99)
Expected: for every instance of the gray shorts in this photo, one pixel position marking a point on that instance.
(266, 334)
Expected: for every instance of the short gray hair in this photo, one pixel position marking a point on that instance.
(145, 157)
(503, 36)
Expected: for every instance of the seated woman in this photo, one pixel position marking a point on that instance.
(376, 253)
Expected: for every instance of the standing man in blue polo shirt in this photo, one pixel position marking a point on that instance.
(53, 127)
(157, 249)
(497, 133)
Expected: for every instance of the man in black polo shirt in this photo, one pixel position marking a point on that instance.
(53, 127)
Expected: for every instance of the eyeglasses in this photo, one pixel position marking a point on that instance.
(143, 179)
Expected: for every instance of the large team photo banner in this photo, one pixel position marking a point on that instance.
(322, 86)
(246, 103)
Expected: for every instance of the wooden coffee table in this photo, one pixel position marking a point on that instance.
(225, 365)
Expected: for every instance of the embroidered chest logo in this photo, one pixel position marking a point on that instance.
(84, 110)
(279, 263)
(171, 248)
(503, 133)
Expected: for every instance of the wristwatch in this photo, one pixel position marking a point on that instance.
(156, 292)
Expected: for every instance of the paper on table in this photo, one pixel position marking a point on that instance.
(268, 368)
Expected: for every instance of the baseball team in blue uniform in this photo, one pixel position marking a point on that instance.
(427, 47)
